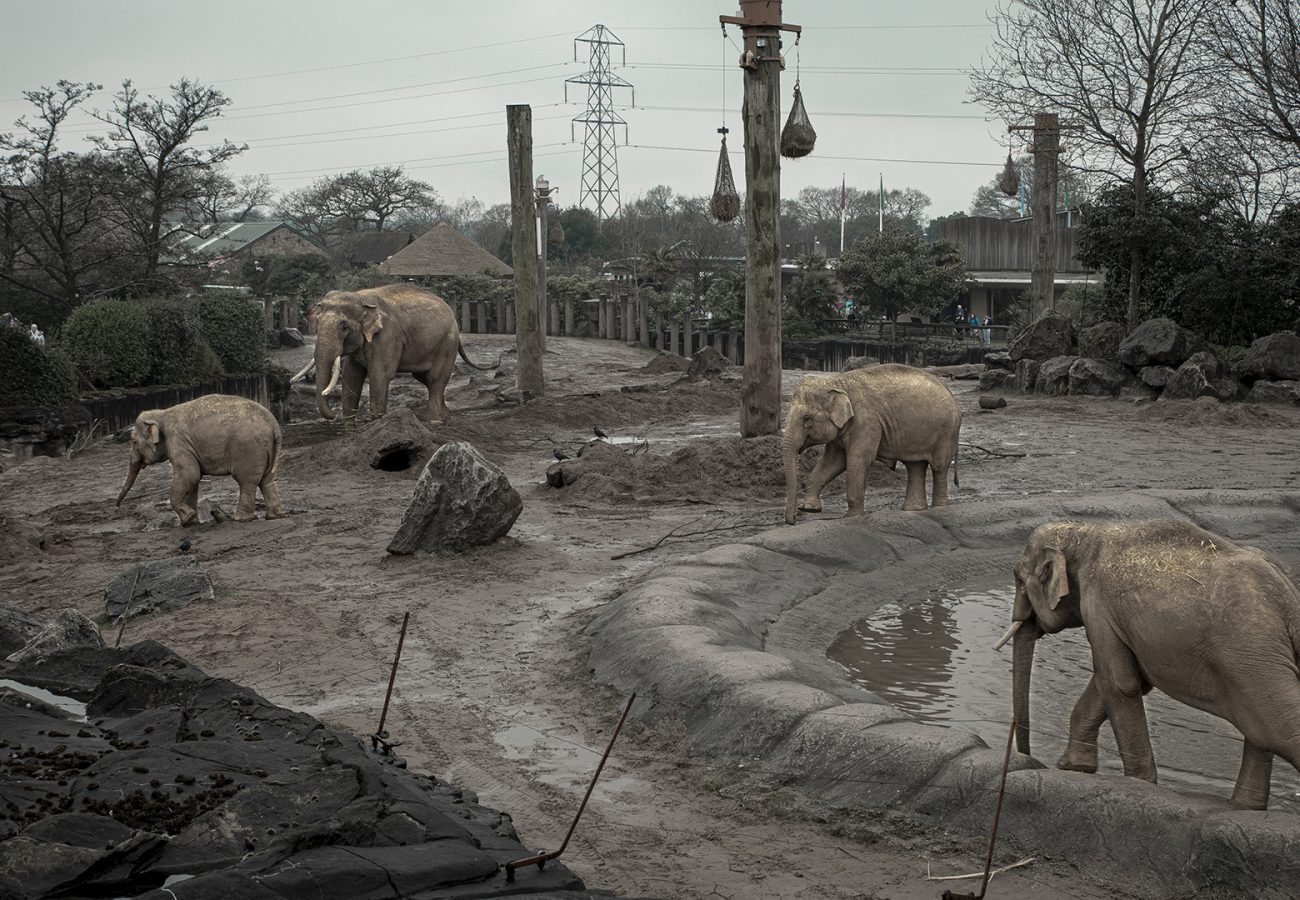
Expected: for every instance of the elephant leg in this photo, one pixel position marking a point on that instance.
(185, 492)
(1254, 778)
(940, 488)
(353, 377)
(915, 497)
(1120, 684)
(857, 467)
(246, 510)
(379, 393)
(436, 385)
(271, 494)
(1085, 726)
(828, 468)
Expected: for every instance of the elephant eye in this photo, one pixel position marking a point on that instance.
(345, 325)
(807, 420)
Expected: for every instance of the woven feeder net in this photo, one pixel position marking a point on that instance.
(1009, 180)
(797, 137)
(556, 236)
(725, 202)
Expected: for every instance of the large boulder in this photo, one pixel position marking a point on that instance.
(706, 363)
(69, 630)
(1275, 392)
(860, 362)
(1159, 342)
(160, 585)
(291, 337)
(16, 629)
(1201, 375)
(1050, 336)
(1101, 341)
(1273, 358)
(460, 501)
(1155, 377)
(1054, 375)
(1096, 377)
(999, 359)
(1026, 375)
(997, 380)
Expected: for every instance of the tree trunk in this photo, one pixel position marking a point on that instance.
(523, 216)
(1135, 252)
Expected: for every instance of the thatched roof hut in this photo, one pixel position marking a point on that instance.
(442, 251)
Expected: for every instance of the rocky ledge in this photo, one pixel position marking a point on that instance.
(139, 775)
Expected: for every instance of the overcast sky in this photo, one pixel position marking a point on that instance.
(324, 86)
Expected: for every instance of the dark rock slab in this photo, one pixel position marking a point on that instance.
(1274, 392)
(1096, 377)
(993, 402)
(461, 500)
(999, 359)
(1050, 336)
(160, 585)
(1159, 342)
(860, 362)
(1201, 375)
(1275, 357)
(1054, 376)
(1101, 341)
(16, 629)
(1155, 377)
(69, 630)
(291, 337)
(997, 380)
(1026, 375)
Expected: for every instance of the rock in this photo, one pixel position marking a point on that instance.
(999, 359)
(860, 362)
(163, 585)
(1050, 336)
(1159, 342)
(665, 363)
(1054, 375)
(1101, 341)
(1201, 375)
(563, 473)
(1096, 377)
(272, 339)
(1026, 375)
(1275, 392)
(1138, 392)
(706, 363)
(16, 629)
(997, 380)
(993, 402)
(69, 630)
(1155, 377)
(1273, 358)
(460, 501)
(399, 441)
(291, 337)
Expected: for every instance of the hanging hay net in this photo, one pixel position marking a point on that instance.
(556, 236)
(725, 202)
(798, 136)
(1009, 180)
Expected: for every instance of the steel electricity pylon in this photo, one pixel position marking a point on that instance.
(599, 191)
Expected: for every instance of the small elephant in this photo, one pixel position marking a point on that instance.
(891, 412)
(1165, 604)
(376, 333)
(214, 435)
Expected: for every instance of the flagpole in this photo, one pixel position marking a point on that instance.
(882, 202)
(842, 188)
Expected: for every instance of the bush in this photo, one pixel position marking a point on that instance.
(32, 375)
(174, 329)
(109, 341)
(233, 328)
(207, 365)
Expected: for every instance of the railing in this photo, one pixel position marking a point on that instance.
(876, 329)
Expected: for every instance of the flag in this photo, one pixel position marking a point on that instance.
(844, 197)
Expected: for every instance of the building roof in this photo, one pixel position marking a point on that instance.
(368, 248)
(442, 250)
(1019, 277)
(229, 239)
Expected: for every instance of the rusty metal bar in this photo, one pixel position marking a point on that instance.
(380, 736)
(997, 810)
(126, 610)
(541, 859)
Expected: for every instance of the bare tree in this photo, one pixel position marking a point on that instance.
(360, 201)
(1259, 41)
(1130, 74)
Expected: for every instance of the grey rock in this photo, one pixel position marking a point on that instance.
(706, 363)
(1054, 376)
(1155, 377)
(860, 362)
(1274, 392)
(1101, 341)
(461, 500)
(69, 630)
(1050, 336)
(997, 380)
(1273, 358)
(291, 337)
(1096, 377)
(162, 585)
(272, 339)
(16, 628)
(999, 359)
(1201, 375)
(1026, 375)
(563, 473)
(666, 363)
(1159, 342)
(992, 402)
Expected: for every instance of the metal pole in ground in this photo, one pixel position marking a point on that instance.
(380, 736)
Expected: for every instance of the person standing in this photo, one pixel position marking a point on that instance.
(960, 319)
(988, 332)
(36, 335)
(974, 326)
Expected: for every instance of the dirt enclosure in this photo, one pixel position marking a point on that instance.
(494, 691)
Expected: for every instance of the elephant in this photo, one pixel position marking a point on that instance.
(216, 434)
(377, 332)
(1165, 604)
(894, 413)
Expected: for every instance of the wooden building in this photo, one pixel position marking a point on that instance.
(227, 246)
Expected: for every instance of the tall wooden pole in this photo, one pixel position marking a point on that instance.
(760, 391)
(1047, 147)
(543, 307)
(523, 221)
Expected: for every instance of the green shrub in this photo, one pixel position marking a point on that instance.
(174, 329)
(206, 363)
(109, 341)
(234, 328)
(32, 375)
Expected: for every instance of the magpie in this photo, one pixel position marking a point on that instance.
(600, 434)
(560, 457)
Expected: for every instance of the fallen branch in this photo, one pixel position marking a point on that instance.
(1015, 865)
(993, 452)
(677, 532)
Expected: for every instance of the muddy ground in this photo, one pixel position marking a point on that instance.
(494, 692)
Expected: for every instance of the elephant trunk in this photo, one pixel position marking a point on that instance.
(1022, 662)
(791, 444)
(136, 465)
(328, 362)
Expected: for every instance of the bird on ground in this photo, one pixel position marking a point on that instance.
(186, 545)
(560, 457)
(600, 434)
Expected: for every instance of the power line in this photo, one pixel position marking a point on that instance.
(404, 162)
(827, 70)
(865, 115)
(925, 162)
(259, 145)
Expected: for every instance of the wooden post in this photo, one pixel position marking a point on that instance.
(543, 199)
(568, 317)
(510, 318)
(464, 317)
(659, 331)
(268, 313)
(1047, 142)
(674, 335)
(760, 391)
(643, 320)
(733, 348)
(602, 311)
(523, 220)
(482, 315)
(629, 322)
(288, 306)
(688, 339)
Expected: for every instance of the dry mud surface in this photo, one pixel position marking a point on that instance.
(494, 692)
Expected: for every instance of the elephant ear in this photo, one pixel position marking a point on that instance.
(373, 321)
(151, 432)
(1050, 580)
(841, 408)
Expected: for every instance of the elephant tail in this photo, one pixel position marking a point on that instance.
(460, 348)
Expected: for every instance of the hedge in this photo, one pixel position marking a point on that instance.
(109, 341)
(33, 375)
(174, 329)
(234, 328)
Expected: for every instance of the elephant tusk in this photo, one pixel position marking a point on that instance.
(334, 378)
(1015, 626)
(303, 374)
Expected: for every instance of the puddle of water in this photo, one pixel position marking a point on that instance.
(74, 708)
(565, 763)
(932, 657)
